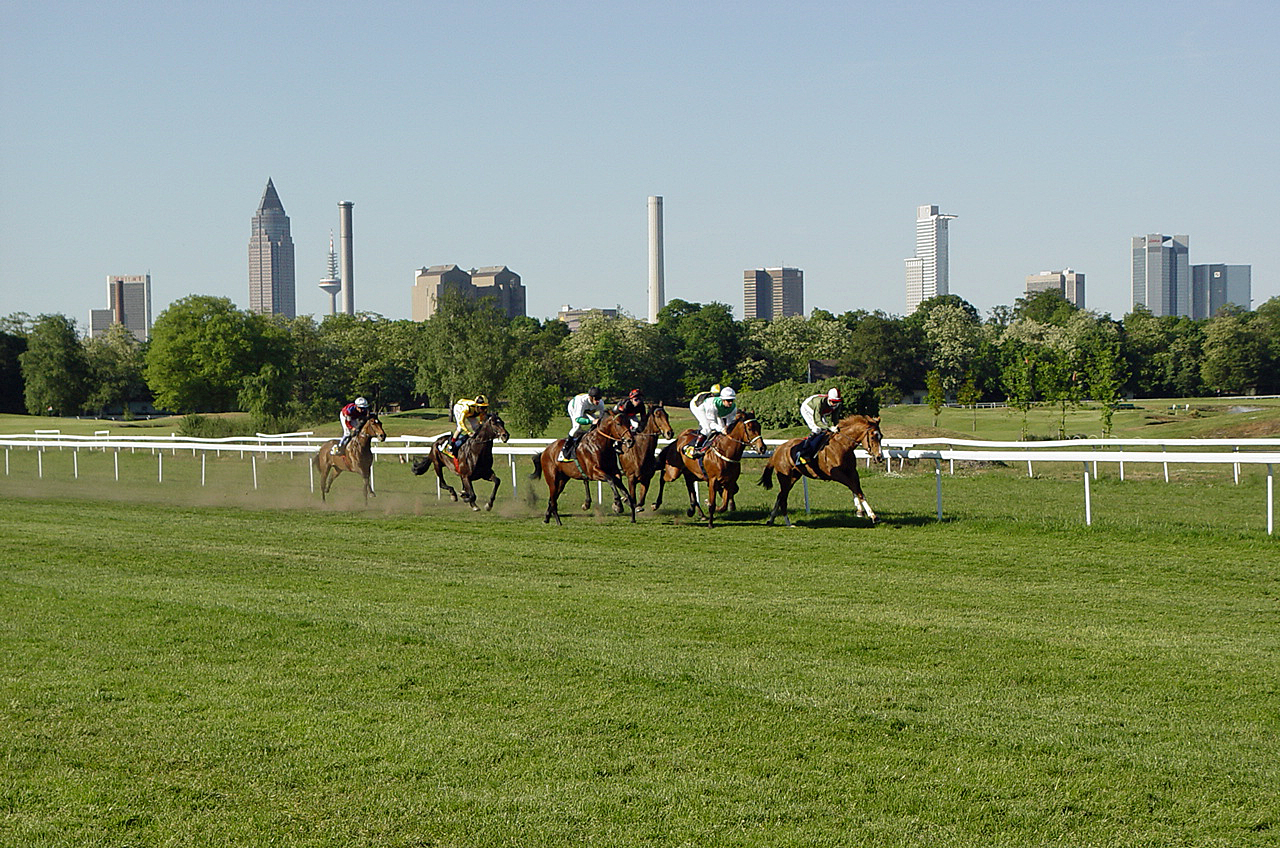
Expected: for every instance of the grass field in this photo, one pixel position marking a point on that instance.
(224, 665)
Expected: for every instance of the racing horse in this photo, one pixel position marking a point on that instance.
(835, 460)
(357, 457)
(595, 458)
(474, 461)
(641, 461)
(720, 464)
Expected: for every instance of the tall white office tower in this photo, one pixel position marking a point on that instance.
(927, 271)
(657, 283)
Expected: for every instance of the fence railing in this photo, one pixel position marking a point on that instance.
(1087, 452)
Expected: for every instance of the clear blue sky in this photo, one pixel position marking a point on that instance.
(138, 137)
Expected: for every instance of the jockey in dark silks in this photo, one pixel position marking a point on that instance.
(632, 409)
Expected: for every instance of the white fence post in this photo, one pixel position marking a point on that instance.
(253, 459)
(937, 480)
(40, 462)
(1270, 501)
(75, 463)
(160, 467)
(117, 464)
(203, 457)
(1088, 502)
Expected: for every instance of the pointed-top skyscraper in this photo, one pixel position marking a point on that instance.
(271, 279)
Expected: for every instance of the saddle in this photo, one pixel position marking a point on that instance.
(803, 453)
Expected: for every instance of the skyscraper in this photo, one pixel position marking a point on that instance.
(1067, 283)
(1214, 286)
(770, 293)
(128, 303)
(927, 271)
(1162, 274)
(271, 281)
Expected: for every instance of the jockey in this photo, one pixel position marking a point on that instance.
(352, 418)
(632, 409)
(584, 411)
(715, 415)
(818, 412)
(700, 398)
(467, 416)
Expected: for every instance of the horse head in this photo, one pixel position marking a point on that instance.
(373, 427)
(747, 430)
(659, 422)
(864, 430)
(612, 426)
(497, 426)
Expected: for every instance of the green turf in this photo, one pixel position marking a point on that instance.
(225, 665)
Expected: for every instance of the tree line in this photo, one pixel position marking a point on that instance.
(206, 355)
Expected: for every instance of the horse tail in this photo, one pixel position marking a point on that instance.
(766, 479)
(666, 456)
(423, 465)
(537, 467)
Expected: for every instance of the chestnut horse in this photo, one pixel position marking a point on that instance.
(595, 458)
(719, 465)
(639, 463)
(474, 461)
(357, 457)
(836, 460)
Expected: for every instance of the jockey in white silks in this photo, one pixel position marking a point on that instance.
(818, 412)
(715, 415)
(584, 411)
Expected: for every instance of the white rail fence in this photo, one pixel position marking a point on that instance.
(1088, 453)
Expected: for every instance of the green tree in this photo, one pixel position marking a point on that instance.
(203, 348)
(886, 352)
(54, 369)
(704, 341)
(531, 400)
(115, 363)
(465, 350)
(11, 384)
(616, 354)
(968, 395)
(937, 393)
(1233, 355)
(952, 334)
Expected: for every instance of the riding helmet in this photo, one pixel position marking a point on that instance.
(361, 403)
(833, 396)
(594, 393)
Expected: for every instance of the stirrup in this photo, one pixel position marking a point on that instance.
(690, 451)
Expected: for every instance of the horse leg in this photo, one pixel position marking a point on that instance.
(497, 482)
(586, 487)
(554, 486)
(785, 482)
(694, 506)
(860, 504)
(712, 493)
(440, 479)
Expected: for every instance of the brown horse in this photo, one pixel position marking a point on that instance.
(595, 458)
(836, 460)
(639, 463)
(474, 461)
(719, 465)
(357, 457)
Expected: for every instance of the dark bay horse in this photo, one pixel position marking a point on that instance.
(836, 460)
(474, 461)
(720, 464)
(641, 460)
(357, 457)
(595, 458)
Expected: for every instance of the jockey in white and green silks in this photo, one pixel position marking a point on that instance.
(584, 411)
(715, 415)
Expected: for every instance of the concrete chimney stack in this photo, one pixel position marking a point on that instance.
(657, 282)
(344, 231)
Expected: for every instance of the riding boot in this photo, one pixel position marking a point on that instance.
(341, 445)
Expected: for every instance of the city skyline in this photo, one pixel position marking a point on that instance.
(636, 103)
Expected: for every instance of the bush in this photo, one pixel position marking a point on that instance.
(199, 426)
(778, 406)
